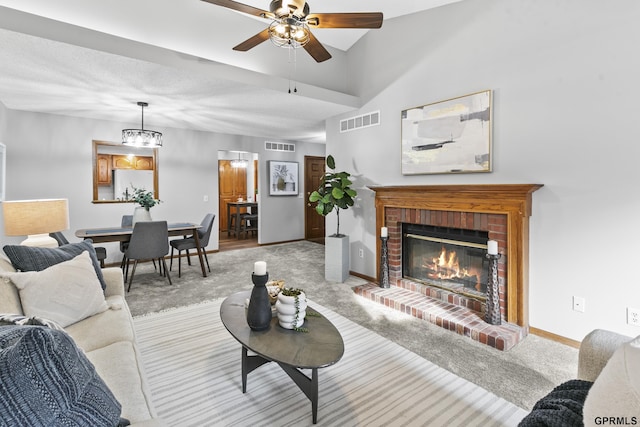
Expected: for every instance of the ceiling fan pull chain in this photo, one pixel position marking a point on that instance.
(295, 70)
(289, 61)
(295, 87)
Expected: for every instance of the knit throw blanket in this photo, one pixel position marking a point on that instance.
(45, 380)
(562, 407)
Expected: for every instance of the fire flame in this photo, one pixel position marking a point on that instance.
(446, 266)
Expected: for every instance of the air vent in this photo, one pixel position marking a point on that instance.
(358, 122)
(279, 146)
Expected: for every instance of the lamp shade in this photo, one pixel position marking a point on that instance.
(33, 217)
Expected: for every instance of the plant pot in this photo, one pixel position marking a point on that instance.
(286, 310)
(140, 214)
(336, 258)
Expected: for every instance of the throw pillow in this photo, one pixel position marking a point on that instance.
(65, 293)
(46, 380)
(28, 258)
(18, 319)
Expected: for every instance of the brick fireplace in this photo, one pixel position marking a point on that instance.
(500, 212)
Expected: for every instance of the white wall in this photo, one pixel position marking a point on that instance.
(3, 121)
(50, 156)
(565, 83)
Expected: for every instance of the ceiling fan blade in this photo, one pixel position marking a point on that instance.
(316, 50)
(250, 10)
(345, 20)
(253, 41)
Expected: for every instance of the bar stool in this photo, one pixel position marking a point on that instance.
(249, 224)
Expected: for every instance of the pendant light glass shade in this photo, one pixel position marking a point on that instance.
(141, 137)
(239, 162)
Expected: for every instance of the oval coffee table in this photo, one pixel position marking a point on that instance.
(320, 347)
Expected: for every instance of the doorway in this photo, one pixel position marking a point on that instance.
(313, 222)
(237, 181)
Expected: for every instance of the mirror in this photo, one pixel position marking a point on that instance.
(118, 168)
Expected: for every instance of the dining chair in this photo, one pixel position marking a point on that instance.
(101, 253)
(204, 232)
(149, 241)
(127, 221)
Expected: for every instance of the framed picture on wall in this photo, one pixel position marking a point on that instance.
(283, 178)
(452, 136)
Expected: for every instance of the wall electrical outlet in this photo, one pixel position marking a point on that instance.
(205, 198)
(361, 253)
(633, 316)
(578, 304)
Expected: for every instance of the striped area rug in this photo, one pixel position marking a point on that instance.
(193, 367)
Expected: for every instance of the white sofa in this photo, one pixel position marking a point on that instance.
(108, 340)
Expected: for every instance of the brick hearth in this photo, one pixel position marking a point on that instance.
(500, 210)
(456, 318)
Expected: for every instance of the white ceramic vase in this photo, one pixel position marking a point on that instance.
(286, 310)
(140, 214)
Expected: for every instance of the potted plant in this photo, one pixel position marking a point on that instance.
(335, 193)
(291, 307)
(146, 201)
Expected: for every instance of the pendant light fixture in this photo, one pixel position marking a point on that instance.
(142, 137)
(239, 162)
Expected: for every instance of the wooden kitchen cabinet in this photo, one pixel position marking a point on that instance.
(104, 169)
(132, 162)
(144, 163)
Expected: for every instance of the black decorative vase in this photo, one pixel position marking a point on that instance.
(259, 310)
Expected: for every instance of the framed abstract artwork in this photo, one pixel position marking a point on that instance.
(283, 178)
(452, 136)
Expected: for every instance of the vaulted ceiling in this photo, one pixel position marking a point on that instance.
(96, 59)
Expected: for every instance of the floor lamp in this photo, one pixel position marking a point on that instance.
(36, 219)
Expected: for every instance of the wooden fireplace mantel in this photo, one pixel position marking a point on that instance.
(512, 200)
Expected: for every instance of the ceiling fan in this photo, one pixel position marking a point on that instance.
(291, 21)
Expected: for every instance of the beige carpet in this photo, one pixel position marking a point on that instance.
(193, 366)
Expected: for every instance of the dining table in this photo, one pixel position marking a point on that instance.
(238, 207)
(123, 234)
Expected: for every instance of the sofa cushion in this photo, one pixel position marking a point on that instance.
(616, 391)
(105, 328)
(46, 380)
(65, 293)
(27, 258)
(125, 378)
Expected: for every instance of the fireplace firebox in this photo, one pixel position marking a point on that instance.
(448, 258)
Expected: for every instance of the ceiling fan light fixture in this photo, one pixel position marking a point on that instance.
(141, 137)
(289, 32)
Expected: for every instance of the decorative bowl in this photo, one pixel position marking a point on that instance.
(273, 291)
